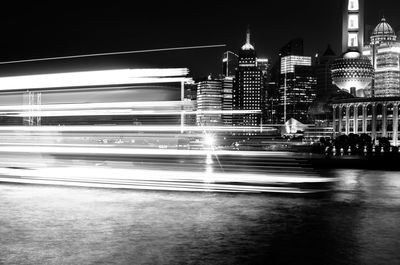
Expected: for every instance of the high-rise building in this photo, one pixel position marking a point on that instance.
(384, 53)
(248, 91)
(293, 47)
(325, 86)
(263, 65)
(227, 100)
(190, 91)
(230, 62)
(353, 72)
(353, 25)
(209, 103)
(297, 87)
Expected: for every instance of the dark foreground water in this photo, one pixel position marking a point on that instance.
(357, 223)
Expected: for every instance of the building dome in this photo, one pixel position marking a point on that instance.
(352, 73)
(383, 33)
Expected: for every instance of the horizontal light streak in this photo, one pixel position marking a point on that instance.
(133, 128)
(121, 151)
(109, 112)
(102, 105)
(202, 188)
(94, 78)
(159, 179)
(5, 86)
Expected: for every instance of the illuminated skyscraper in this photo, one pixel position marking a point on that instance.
(209, 99)
(248, 91)
(263, 65)
(227, 99)
(384, 53)
(353, 72)
(297, 87)
(353, 25)
(229, 63)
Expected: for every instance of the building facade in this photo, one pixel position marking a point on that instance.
(248, 93)
(230, 61)
(376, 111)
(209, 103)
(384, 53)
(227, 100)
(297, 87)
(377, 117)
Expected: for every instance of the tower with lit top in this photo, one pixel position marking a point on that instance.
(248, 87)
(353, 72)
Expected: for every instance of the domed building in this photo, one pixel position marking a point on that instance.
(371, 73)
(384, 53)
(383, 33)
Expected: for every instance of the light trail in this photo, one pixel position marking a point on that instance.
(156, 180)
(124, 128)
(16, 84)
(121, 151)
(101, 105)
(108, 112)
(114, 53)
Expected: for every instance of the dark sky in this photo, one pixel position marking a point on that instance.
(37, 29)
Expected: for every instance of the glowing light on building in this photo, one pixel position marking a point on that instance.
(353, 5)
(288, 63)
(384, 54)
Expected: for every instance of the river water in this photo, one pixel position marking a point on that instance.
(358, 222)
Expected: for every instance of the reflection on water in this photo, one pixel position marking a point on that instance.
(356, 223)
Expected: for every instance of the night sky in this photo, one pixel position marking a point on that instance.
(38, 29)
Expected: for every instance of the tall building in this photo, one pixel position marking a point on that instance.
(227, 100)
(384, 53)
(325, 86)
(363, 112)
(293, 47)
(353, 25)
(263, 65)
(248, 91)
(353, 72)
(297, 87)
(230, 62)
(190, 91)
(209, 103)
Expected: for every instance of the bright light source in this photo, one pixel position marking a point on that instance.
(209, 140)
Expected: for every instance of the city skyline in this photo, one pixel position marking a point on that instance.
(45, 30)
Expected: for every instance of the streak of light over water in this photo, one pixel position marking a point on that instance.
(355, 223)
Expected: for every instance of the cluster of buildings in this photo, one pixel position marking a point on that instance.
(325, 95)
(251, 92)
(356, 92)
(370, 75)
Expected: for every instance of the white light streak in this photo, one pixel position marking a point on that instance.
(94, 78)
(119, 128)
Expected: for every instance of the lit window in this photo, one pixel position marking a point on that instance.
(353, 21)
(353, 5)
(353, 40)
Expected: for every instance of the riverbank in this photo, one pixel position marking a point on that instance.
(372, 162)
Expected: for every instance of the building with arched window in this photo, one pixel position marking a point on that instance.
(377, 117)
